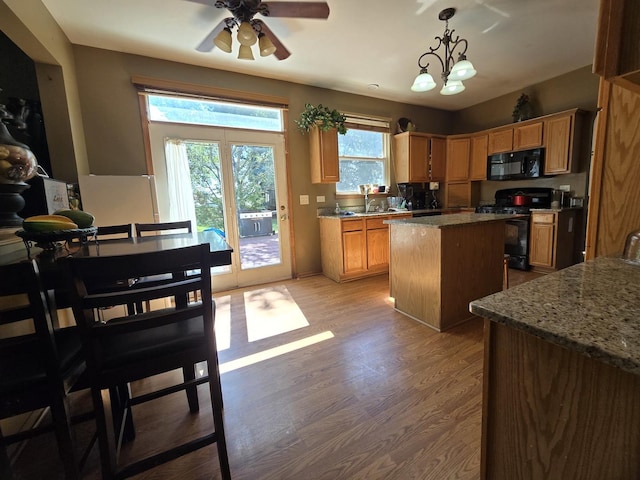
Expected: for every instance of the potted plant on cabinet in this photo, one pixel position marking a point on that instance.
(322, 117)
(322, 124)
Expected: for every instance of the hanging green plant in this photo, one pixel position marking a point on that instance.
(323, 117)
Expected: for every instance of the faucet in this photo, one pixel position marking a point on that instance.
(368, 203)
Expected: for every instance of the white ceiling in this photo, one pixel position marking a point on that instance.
(512, 43)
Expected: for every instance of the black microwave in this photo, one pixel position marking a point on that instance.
(515, 165)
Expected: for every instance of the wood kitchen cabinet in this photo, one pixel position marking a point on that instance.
(461, 194)
(458, 158)
(478, 163)
(353, 248)
(552, 238)
(323, 154)
(419, 157)
(500, 141)
(617, 57)
(561, 148)
(519, 137)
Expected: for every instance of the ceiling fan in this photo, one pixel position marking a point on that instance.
(243, 13)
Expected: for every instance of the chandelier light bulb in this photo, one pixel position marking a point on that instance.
(462, 70)
(423, 82)
(245, 53)
(452, 87)
(265, 45)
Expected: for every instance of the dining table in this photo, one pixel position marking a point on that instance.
(48, 260)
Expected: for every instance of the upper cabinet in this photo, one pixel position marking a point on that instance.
(478, 165)
(458, 157)
(617, 56)
(516, 137)
(561, 146)
(325, 167)
(419, 157)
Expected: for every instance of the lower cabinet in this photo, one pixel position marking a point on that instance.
(552, 239)
(355, 247)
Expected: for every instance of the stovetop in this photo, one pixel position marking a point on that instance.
(540, 197)
(507, 209)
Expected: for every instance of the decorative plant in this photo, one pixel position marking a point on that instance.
(522, 110)
(321, 116)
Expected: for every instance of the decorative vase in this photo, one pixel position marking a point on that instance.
(17, 164)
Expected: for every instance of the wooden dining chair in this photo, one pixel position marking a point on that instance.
(115, 231)
(158, 228)
(39, 365)
(142, 344)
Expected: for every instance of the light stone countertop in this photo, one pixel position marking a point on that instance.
(328, 213)
(451, 220)
(592, 308)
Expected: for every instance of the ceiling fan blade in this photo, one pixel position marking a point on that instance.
(281, 51)
(297, 9)
(206, 45)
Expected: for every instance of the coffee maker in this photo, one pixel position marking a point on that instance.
(413, 194)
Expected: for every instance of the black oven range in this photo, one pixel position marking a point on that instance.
(518, 201)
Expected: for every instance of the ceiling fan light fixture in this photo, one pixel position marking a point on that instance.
(452, 87)
(462, 70)
(245, 53)
(223, 40)
(246, 34)
(423, 82)
(266, 45)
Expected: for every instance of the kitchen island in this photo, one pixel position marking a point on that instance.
(437, 265)
(561, 395)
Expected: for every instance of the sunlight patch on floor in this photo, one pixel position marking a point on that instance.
(271, 311)
(223, 322)
(274, 352)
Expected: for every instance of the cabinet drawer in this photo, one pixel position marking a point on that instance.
(543, 218)
(377, 222)
(352, 225)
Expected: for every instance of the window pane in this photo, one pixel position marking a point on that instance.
(205, 112)
(356, 172)
(361, 143)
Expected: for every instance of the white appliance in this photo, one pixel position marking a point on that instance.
(119, 199)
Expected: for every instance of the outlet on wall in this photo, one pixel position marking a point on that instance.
(320, 199)
(304, 199)
(564, 188)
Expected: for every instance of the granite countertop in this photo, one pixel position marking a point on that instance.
(451, 220)
(360, 214)
(592, 308)
(553, 210)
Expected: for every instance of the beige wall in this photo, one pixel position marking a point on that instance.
(111, 120)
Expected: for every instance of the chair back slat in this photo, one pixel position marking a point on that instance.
(115, 231)
(158, 228)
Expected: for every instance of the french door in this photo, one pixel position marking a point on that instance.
(239, 189)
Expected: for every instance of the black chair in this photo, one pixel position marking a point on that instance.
(157, 228)
(39, 365)
(140, 345)
(115, 231)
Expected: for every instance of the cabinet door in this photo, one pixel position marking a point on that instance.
(458, 194)
(527, 136)
(325, 167)
(478, 168)
(557, 134)
(353, 246)
(378, 248)
(541, 246)
(411, 157)
(458, 151)
(500, 141)
(438, 159)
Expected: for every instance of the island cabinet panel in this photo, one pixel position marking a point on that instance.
(436, 272)
(478, 166)
(553, 413)
(323, 154)
(500, 141)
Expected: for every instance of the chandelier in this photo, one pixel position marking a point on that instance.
(453, 73)
(249, 32)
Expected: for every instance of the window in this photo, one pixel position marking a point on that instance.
(364, 154)
(164, 108)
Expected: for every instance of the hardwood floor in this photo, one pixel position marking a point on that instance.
(377, 396)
